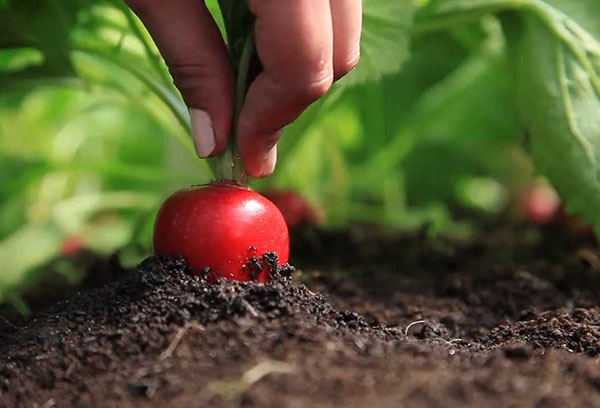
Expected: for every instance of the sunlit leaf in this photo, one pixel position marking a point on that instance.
(554, 50)
(30, 247)
(385, 39)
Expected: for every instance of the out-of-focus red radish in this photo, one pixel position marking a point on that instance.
(221, 226)
(72, 245)
(540, 205)
(295, 209)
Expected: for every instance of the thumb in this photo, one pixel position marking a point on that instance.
(195, 52)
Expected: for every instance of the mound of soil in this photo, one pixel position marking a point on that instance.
(508, 318)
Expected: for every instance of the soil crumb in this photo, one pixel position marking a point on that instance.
(506, 319)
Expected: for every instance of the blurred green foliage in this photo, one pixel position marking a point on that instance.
(93, 134)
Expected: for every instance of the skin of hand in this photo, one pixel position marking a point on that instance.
(303, 45)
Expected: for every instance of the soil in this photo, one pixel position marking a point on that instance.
(507, 318)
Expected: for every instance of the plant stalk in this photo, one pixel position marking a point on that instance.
(239, 27)
(229, 165)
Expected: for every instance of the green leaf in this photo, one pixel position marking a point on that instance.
(15, 172)
(385, 39)
(28, 248)
(554, 50)
(70, 214)
(15, 59)
(43, 24)
(559, 104)
(170, 98)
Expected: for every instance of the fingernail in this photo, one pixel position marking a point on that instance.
(202, 132)
(268, 165)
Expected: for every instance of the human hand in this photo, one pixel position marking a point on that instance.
(303, 45)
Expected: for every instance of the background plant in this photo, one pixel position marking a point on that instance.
(93, 134)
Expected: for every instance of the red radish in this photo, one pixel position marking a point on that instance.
(294, 207)
(221, 226)
(72, 245)
(541, 205)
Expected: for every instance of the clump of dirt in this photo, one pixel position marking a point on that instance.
(575, 330)
(508, 318)
(96, 331)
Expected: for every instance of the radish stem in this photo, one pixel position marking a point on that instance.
(230, 165)
(240, 37)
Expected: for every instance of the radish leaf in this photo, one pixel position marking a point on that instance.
(554, 54)
(385, 39)
(558, 97)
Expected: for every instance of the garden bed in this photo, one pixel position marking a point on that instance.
(507, 318)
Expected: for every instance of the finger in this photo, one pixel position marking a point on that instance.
(193, 48)
(294, 40)
(347, 24)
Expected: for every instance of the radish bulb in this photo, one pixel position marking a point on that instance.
(222, 227)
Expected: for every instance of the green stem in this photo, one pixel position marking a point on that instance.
(150, 54)
(229, 165)
(242, 75)
(169, 99)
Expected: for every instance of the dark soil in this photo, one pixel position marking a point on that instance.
(508, 318)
